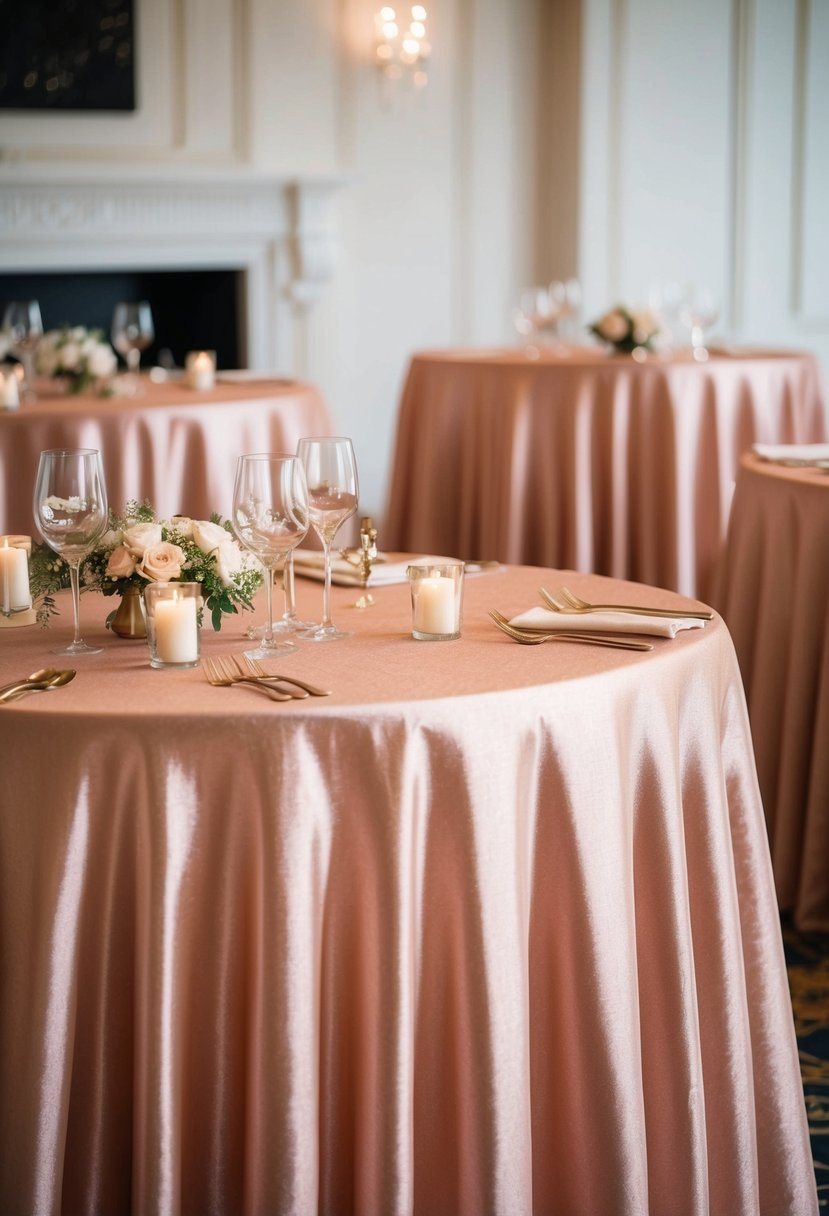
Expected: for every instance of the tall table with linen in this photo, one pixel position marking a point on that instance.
(171, 445)
(492, 928)
(774, 594)
(583, 460)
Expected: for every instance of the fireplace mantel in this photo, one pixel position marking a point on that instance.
(279, 231)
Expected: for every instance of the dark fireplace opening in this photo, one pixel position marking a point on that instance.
(192, 309)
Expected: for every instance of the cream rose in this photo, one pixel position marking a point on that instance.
(613, 326)
(121, 563)
(209, 536)
(101, 361)
(229, 561)
(161, 563)
(183, 524)
(70, 354)
(140, 537)
(645, 324)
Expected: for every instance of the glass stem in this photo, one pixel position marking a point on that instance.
(133, 360)
(75, 581)
(288, 587)
(269, 603)
(326, 589)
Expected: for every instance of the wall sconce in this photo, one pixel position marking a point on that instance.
(401, 48)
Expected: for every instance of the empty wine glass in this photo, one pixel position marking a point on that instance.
(289, 622)
(331, 473)
(24, 328)
(538, 314)
(699, 312)
(132, 331)
(70, 510)
(270, 517)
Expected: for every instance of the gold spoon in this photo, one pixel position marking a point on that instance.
(25, 686)
(43, 673)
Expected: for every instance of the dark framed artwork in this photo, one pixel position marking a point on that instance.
(67, 55)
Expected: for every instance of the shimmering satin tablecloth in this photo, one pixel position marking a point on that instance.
(172, 445)
(587, 460)
(774, 594)
(490, 930)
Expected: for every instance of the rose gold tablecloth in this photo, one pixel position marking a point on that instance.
(174, 446)
(586, 460)
(490, 930)
(774, 594)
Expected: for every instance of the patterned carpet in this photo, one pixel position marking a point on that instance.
(807, 959)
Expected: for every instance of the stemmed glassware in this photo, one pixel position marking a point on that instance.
(70, 510)
(699, 312)
(270, 517)
(333, 490)
(131, 332)
(24, 327)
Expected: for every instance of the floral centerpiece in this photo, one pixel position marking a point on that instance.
(79, 356)
(137, 549)
(625, 329)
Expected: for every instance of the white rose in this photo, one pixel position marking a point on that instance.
(229, 561)
(78, 334)
(183, 524)
(161, 562)
(121, 563)
(140, 536)
(70, 353)
(109, 540)
(613, 326)
(102, 361)
(209, 536)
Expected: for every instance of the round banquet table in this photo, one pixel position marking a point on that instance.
(172, 445)
(490, 929)
(774, 593)
(586, 460)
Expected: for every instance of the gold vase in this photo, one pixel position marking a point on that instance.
(128, 621)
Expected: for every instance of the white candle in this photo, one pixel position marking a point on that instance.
(176, 630)
(434, 606)
(201, 370)
(9, 390)
(14, 578)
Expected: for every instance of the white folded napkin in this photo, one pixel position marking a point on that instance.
(793, 453)
(309, 563)
(604, 622)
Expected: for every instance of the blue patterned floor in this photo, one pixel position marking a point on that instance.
(807, 960)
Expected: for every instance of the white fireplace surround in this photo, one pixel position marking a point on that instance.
(278, 231)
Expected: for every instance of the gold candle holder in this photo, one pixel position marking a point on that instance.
(364, 558)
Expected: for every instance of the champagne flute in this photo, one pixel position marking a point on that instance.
(24, 327)
(331, 473)
(270, 517)
(699, 312)
(70, 510)
(131, 332)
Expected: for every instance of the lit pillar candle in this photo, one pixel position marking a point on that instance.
(434, 607)
(176, 630)
(14, 578)
(201, 370)
(9, 390)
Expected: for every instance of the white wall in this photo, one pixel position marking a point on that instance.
(622, 140)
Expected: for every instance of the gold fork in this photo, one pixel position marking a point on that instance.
(254, 668)
(567, 602)
(531, 638)
(222, 675)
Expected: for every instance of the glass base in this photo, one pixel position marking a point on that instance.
(266, 650)
(285, 624)
(77, 648)
(159, 663)
(325, 633)
(434, 637)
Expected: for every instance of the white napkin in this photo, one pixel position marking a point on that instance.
(604, 622)
(793, 453)
(309, 563)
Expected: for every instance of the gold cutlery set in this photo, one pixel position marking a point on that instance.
(39, 681)
(567, 603)
(227, 671)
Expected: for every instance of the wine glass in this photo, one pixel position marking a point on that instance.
(131, 332)
(270, 517)
(538, 314)
(70, 510)
(331, 473)
(289, 622)
(24, 327)
(699, 312)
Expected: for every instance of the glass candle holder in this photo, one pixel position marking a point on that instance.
(200, 369)
(172, 614)
(437, 596)
(15, 595)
